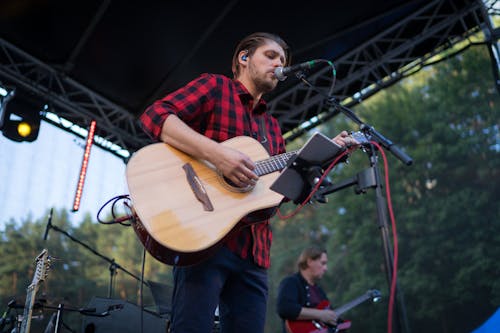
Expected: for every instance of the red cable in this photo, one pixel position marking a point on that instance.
(394, 236)
(391, 214)
(316, 187)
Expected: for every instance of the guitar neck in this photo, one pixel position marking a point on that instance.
(41, 270)
(273, 163)
(279, 162)
(348, 306)
(28, 309)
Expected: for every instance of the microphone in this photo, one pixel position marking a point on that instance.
(282, 72)
(49, 225)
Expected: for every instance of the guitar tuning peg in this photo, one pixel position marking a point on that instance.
(52, 259)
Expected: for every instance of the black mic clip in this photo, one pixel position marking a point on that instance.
(49, 225)
(281, 72)
(301, 75)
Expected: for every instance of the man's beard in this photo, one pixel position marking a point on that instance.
(264, 85)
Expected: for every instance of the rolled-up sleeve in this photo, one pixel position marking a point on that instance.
(153, 118)
(187, 103)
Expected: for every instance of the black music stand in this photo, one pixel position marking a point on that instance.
(304, 169)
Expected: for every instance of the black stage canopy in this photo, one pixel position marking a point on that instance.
(107, 60)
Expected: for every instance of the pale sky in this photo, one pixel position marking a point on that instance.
(36, 176)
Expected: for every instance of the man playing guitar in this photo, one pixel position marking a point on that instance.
(301, 302)
(197, 119)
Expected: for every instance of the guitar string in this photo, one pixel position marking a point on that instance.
(272, 164)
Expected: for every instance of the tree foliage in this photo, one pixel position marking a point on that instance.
(445, 204)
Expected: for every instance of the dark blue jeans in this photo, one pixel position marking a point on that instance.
(237, 286)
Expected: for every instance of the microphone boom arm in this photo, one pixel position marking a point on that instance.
(370, 132)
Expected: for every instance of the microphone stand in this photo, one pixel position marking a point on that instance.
(55, 322)
(371, 133)
(370, 178)
(113, 265)
(366, 179)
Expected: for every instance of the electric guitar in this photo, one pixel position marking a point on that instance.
(42, 262)
(314, 326)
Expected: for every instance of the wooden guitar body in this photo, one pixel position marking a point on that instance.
(173, 223)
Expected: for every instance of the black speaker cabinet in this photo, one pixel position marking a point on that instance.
(122, 317)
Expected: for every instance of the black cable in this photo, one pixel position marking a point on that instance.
(115, 220)
(141, 297)
(301, 76)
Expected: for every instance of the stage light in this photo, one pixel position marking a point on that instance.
(20, 120)
(21, 130)
(24, 129)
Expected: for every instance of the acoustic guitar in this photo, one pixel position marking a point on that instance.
(314, 326)
(184, 208)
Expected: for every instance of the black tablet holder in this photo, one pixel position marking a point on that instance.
(305, 169)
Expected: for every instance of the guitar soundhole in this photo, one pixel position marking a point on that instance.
(229, 185)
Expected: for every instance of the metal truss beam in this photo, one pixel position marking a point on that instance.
(378, 63)
(117, 129)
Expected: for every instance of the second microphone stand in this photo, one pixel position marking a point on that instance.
(113, 265)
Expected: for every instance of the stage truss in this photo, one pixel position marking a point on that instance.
(376, 64)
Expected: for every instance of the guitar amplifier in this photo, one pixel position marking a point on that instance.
(122, 317)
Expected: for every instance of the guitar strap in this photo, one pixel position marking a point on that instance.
(263, 134)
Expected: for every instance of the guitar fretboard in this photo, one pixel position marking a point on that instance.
(346, 307)
(272, 164)
(28, 309)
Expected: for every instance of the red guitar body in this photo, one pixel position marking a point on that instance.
(314, 326)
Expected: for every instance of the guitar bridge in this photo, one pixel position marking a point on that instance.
(197, 187)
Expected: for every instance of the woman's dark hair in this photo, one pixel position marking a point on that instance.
(254, 41)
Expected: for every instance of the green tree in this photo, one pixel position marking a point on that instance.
(445, 204)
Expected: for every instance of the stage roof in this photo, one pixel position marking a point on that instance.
(107, 60)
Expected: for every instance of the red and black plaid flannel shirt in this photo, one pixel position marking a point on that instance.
(221, 108)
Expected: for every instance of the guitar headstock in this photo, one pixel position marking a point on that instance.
(375, 295)
(42, 262)
(360, 137)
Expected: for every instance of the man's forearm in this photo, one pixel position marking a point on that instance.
(179, 135)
